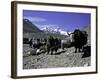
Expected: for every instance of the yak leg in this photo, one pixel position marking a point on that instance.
(62, 46)
(51, 51)
(76, 49)
(56, 48)
(48, 51)
(80, 49)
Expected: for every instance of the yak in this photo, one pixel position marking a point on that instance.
(52, 44)
(80, 39)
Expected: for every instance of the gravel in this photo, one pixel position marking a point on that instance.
(65, 59)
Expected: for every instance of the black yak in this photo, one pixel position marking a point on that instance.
(80, 39)
(52, 44)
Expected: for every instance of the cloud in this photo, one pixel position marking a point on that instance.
(35, 19)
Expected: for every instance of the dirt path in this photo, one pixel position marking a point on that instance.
(65, 59)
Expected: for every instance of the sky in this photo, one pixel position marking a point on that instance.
(67, 21)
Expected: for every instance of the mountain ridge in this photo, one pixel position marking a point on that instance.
(28, 27)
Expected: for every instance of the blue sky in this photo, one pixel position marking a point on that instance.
(67, 21)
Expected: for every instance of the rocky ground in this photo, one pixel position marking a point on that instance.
(64, 58)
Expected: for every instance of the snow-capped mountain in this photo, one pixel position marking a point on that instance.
(55, 30)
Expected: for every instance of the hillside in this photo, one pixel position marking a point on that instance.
(88, 30)
(28, 27)
(30, 30)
